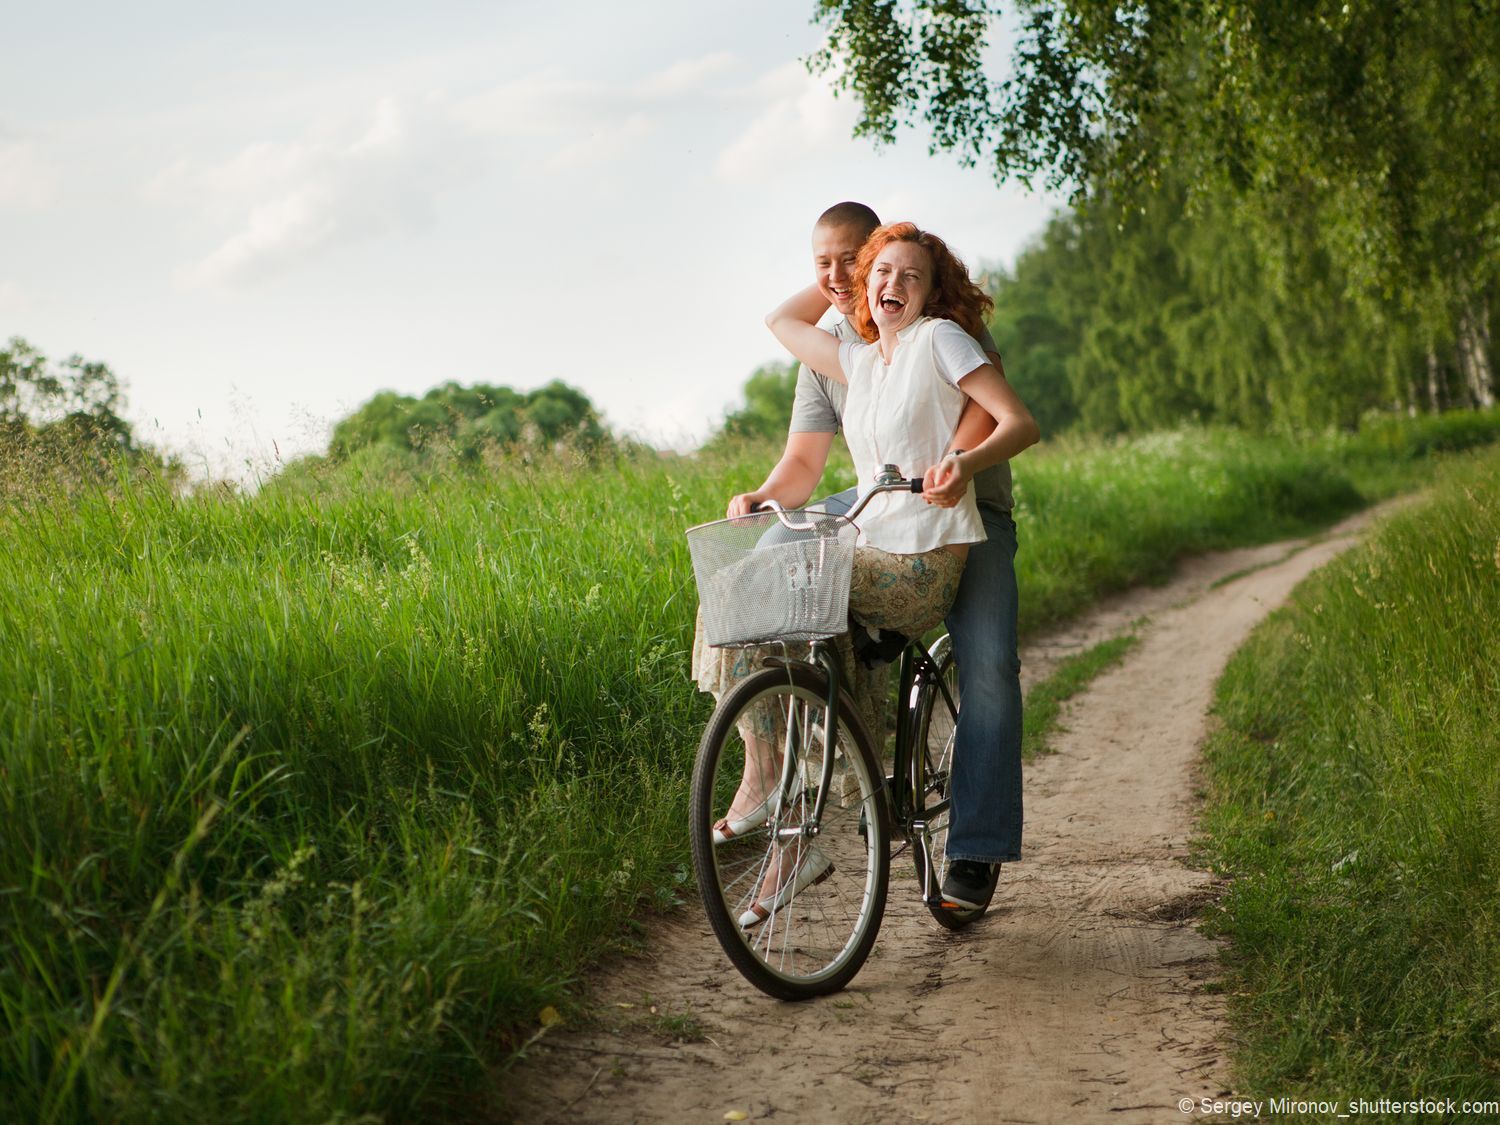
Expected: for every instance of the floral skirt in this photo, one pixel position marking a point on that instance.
(906, 594)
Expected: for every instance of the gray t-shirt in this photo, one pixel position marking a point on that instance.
(819, 409)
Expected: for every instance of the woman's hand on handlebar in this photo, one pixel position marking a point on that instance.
(946, 482)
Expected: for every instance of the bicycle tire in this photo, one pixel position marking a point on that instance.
(933, 731)
(816, 941)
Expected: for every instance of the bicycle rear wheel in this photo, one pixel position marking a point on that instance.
(796, 906)
(935, 722)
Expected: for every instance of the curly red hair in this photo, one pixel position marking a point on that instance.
(954, 297)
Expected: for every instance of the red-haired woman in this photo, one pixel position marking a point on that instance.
(918, 314)
(909, 380)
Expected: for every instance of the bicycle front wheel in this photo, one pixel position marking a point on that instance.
(795, 902)
(935, 719)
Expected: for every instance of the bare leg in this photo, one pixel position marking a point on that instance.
(762, 772)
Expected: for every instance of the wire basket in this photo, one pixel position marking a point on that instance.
(773, 576)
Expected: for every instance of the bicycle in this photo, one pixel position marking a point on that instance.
(824, 848)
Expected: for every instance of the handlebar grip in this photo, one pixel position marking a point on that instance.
(915, 484)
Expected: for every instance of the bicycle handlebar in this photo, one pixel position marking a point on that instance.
(889, 479)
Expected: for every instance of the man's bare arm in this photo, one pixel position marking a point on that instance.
(792, 481)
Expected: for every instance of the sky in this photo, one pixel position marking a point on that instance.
(261, 215)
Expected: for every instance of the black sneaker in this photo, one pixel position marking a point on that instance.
(970, 884)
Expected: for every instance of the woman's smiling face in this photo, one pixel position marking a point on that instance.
(899, 286)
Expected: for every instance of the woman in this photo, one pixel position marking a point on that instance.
(909, 380)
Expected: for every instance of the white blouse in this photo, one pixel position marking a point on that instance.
(904, 414)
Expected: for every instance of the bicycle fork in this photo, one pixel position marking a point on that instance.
(825, 656)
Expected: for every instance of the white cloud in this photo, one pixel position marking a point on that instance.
(277, 234)
(28, 178)
(605, 118)
(278, 203)
(801, 117)
(605, 141)
(533, 106)
(290, 201)
(225, 190)
(686, 77)
(12, 300)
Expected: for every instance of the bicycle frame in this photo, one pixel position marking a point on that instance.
(917, 670)
(899, 805)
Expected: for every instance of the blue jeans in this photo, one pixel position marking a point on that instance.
(987, 814)
(986, 820)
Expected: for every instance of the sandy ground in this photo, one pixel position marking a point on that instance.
(1080, 997)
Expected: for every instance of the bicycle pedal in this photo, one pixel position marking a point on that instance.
(944, 904)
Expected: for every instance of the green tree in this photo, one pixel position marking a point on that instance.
(1133, 315)
(769, 394)
(76, 400)
(61, 426)
(467, 419)
(1039, 318)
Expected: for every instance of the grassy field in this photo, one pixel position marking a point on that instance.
(311, 801)
(1355, 798)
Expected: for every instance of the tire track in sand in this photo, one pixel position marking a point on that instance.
(1078, 998)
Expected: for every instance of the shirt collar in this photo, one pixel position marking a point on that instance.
(912, 327)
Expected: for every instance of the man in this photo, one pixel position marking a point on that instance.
(985, 827)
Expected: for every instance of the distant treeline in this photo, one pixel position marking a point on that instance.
(464, 420)
(61, 420)
(1181, 307)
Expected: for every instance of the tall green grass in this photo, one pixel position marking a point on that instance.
(305, 794)
(1356, 802)
(311, 800)
(1099, 516)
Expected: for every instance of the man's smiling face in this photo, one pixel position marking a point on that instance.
(835, 249)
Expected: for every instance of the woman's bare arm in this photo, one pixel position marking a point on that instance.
(795, 323)
(975, 423)
(1015, 430)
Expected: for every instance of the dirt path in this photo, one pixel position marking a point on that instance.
(1079, 998)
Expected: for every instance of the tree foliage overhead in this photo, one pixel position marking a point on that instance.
(1357, 139)
(466, 419)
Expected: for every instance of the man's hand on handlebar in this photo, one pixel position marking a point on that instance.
(745, 503)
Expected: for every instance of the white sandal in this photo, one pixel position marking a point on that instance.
(727, 829)
(814, 868)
